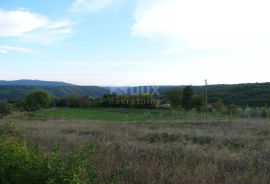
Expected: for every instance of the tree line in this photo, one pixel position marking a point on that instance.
(175, 99)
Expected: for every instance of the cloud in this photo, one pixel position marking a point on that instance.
(90, 5)
(51, 33)
(172, 50)
(197, 24)
(32, 26)
(5, 49)
(19, 22)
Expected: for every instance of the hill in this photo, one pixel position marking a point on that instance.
(25, 82)
(19, 92)
(250, 94)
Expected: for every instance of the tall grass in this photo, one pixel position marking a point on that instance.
(164, 151)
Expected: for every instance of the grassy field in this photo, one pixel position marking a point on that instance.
(236, 151)
(111, 114)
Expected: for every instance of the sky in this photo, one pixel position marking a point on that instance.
(135, 42)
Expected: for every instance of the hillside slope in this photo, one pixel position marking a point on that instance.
(26, 82)
(250, 94)
(19, 92)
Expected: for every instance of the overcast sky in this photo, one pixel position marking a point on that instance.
(135, 42)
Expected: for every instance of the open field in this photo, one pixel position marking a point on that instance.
(236, 151)
(115, 114)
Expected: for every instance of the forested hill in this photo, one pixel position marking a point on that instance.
(26, 82)
(19, 92)
(252, 94)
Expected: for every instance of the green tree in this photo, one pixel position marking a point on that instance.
(175, 97)
(187, 98)
(197, 102)
(5, 108)
(37, 100)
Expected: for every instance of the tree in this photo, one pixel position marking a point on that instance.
(5, 108)
(174, 96)
(196, 102)
(37, 100)
(187, 98)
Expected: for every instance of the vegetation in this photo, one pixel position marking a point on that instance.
(124, 114)
(129, 139)
(20, 92)
(187, 97)
(174, 96)
(21, 164)
(147, 152)
(119, 114)
(37, 100)
(74, 102)
(188, 100)
(131, 101)
(254, 94)
(5, 108)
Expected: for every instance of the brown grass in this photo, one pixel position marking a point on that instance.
(165, 152)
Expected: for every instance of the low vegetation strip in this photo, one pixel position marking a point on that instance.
(116, 114)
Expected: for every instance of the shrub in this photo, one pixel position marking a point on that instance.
(37, 100)
(23, 165)
(5, 108)
(265, 112)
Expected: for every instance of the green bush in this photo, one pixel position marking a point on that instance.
(37, 100)
(23, 165)
(265, 112)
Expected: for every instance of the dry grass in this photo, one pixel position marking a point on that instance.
(165, 152)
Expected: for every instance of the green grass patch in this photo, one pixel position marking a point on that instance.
(118, 114)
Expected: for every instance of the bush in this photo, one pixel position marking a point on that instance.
(37, 100)
(5, 108)
(23, 165)
(265, 112)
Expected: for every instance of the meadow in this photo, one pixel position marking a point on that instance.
(123, 114)
(154, 146)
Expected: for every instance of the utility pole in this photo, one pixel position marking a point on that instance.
(206, 101)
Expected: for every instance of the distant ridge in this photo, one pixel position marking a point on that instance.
(27, 82)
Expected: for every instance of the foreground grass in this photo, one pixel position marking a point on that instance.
(23, 164)
(114, 114)
(163, 151)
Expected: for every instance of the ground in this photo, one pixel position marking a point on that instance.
(159, 151)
